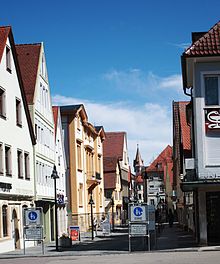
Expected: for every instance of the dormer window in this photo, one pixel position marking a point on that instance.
(8, 59)
(212, 89)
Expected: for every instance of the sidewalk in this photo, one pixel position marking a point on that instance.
(169, 240)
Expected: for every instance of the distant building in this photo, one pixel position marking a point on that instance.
(116, 175)
(159, 174)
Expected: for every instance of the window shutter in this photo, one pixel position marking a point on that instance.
(4, 105)
(10, 161)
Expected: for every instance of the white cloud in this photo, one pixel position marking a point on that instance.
(135, 80)
(148, 125)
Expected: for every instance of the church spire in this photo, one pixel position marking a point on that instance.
(138, 162)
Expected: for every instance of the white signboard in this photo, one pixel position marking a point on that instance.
(105, 225)
(32, 217)
(138, 213)
(138, 229)
(33, 233)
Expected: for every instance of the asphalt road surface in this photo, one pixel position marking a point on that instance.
(210, 257)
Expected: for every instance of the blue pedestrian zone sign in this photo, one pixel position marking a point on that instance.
(138, 213)
(32, 216)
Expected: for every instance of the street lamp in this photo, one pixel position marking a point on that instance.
(55, 176)
(91, 202)
(113, 220)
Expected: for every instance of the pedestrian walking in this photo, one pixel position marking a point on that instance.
(170, 218)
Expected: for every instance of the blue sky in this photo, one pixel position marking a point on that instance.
(121, 58)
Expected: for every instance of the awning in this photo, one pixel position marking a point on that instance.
(191, 186)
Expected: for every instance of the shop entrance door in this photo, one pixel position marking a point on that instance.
(213, 217)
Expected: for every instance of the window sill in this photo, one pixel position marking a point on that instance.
(8, 69)
(3, 116)
(19, 125)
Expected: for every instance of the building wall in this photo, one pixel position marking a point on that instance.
(18, 138)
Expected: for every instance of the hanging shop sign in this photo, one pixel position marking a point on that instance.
(212, 118)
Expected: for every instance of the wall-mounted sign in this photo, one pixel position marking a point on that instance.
(212, 118)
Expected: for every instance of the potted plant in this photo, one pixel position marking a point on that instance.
(65, 241)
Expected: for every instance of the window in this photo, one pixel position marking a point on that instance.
(81, 194)
(27, 166)
(18, 112)
(8, 59)
(8, 166)
(1, 159)
(2, 103)
(5, 220)
(211, 89)
(100, 197)
(152, 201)
(99, 164)
(20, 163)
(79, 156)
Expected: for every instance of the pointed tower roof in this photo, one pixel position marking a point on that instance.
(138, 160)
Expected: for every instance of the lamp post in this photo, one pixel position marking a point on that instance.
(55, 176)
(113, 219)
(91, 202)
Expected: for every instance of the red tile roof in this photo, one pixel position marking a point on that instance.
(113, 144)
(28, 58)
(4, 32)
(55, 117)
(164, 157)
(208, 44)
(184, 127)
(110, 180)
(110, 164)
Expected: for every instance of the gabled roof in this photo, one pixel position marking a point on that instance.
(206, 45)
(55, 117)
(73, 109)
(180, 120)
(164, 157)
(110, 164)
(110, 180)
(100, 131)
(113, 144)
(28, 58)
(6, 32)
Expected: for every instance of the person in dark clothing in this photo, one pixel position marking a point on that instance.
(170, 218)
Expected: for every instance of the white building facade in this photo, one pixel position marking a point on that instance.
(32, 60)
(16, 148)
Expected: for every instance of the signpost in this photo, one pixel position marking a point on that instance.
(141, 221)
(33, 225)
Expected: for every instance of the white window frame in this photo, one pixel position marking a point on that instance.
(18, 112)
(3, 103)
(8, 59)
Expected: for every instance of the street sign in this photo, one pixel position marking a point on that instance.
(138, 229)
(33, 233)
(32, 217)
(138, 213)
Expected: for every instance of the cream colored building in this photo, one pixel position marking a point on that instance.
(84, 155)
